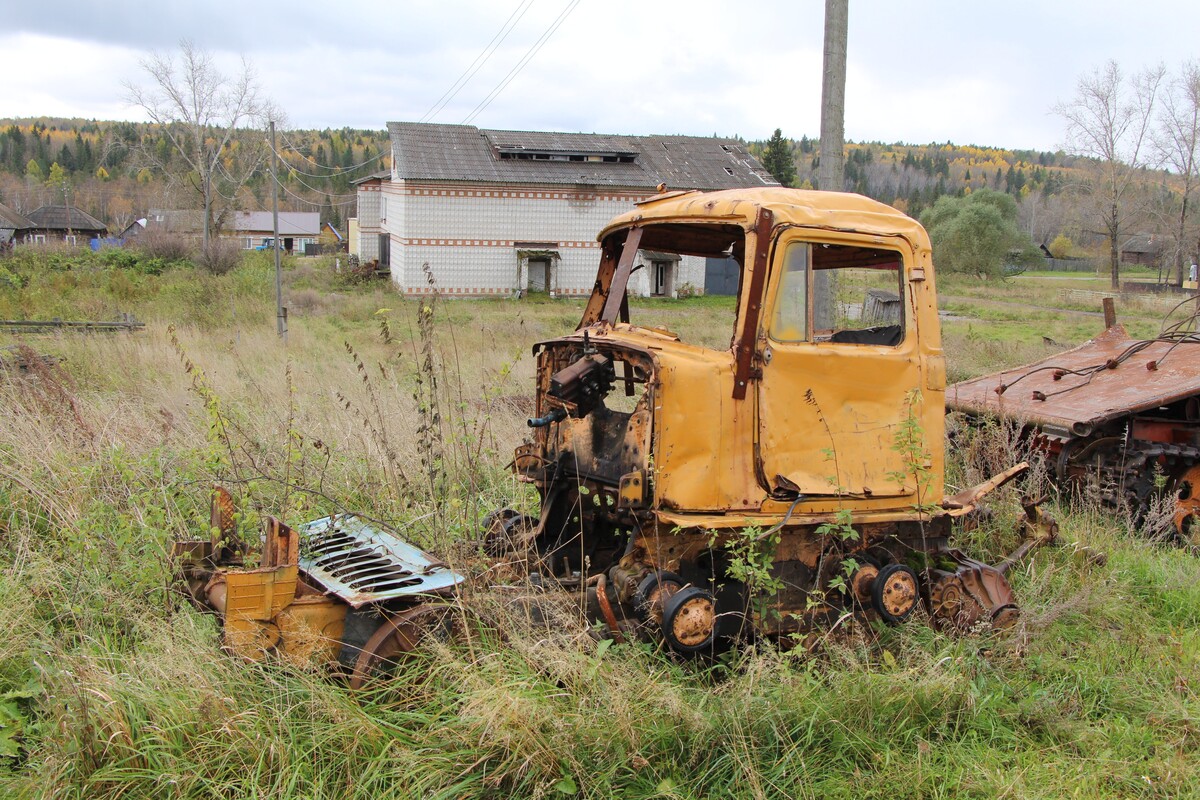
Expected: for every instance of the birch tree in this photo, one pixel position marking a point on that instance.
(1110, 120)
(212, 121)
(1178, 142)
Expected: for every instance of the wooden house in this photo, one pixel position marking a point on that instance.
(65, 224)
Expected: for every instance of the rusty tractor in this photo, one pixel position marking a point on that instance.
(789, 483)
(1117, 418)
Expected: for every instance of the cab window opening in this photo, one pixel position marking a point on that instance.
(656, 271)
(838, 294)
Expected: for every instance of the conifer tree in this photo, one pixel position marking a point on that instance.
(777, 159)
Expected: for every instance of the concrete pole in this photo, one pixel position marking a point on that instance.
(833, 96)
(280, 311)
(831, 173)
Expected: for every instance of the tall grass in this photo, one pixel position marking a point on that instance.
(111, 687)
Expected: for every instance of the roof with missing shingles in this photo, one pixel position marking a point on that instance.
(464, 153)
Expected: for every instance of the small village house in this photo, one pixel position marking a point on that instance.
(299, 231)
(13, 226)
(1142, 249)
(65, 224)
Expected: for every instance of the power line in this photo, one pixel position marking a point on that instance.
(345, 171)
(383, 151)
(323, 191)
(481, 59)
(533, 51)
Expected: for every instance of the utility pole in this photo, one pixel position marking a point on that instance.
(833, 96)
(280, 311)
(831, 175)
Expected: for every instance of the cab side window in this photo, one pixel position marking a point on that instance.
(838, 294)
(857, 295)
(789, 320)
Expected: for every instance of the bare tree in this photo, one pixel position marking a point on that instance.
(1109, 120)
(1178, 143)
(210, 121)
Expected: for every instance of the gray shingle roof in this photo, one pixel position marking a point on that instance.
(176, 221)
(374, 176)
(12, 220)
(1142, 243)
(423, 151)
(62, 218)
(291, 223)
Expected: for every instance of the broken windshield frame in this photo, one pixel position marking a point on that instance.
(619, 260)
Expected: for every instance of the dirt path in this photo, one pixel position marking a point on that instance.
(1057, 277)
(1010, 304)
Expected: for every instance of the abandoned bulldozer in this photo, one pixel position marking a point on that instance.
(1118, 419)
(785, 484)
(791, 482)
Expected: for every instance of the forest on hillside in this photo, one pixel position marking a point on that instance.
(1050, 189)
(116, 171)
(1073, 204)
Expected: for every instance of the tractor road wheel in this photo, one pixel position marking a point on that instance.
(652, 593)
(894, 594)
(399, 637)
(690, 621)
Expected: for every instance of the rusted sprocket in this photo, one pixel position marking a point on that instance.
(399, 636)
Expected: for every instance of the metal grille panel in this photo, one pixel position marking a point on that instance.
(362, 564)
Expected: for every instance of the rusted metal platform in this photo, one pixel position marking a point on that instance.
(1076, 391)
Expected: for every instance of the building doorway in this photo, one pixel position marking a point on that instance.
(662, 278)
(539, 275)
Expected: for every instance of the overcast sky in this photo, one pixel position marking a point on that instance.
(919, 70)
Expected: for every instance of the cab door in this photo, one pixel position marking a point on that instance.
(837, 348)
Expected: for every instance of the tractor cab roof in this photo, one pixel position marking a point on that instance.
(839, 211)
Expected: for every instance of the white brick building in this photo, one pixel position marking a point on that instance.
(505, 212)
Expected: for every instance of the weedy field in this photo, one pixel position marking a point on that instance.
(110, 686)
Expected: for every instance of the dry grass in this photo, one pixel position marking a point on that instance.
(117, 690)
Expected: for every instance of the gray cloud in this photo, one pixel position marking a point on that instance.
(924, 70)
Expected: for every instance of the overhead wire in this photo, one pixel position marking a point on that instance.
(312, 188)
(336, 169)
(516, 70)
(473, 69)
(488, 51)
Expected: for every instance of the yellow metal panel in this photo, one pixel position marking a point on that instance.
(835, 211)
(252, 599)
(311, 629)
(259, 594)
(704, 438)
(830, 415)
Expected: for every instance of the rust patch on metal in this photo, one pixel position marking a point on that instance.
(1187, 506)
(694, 621)
(748, 336)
